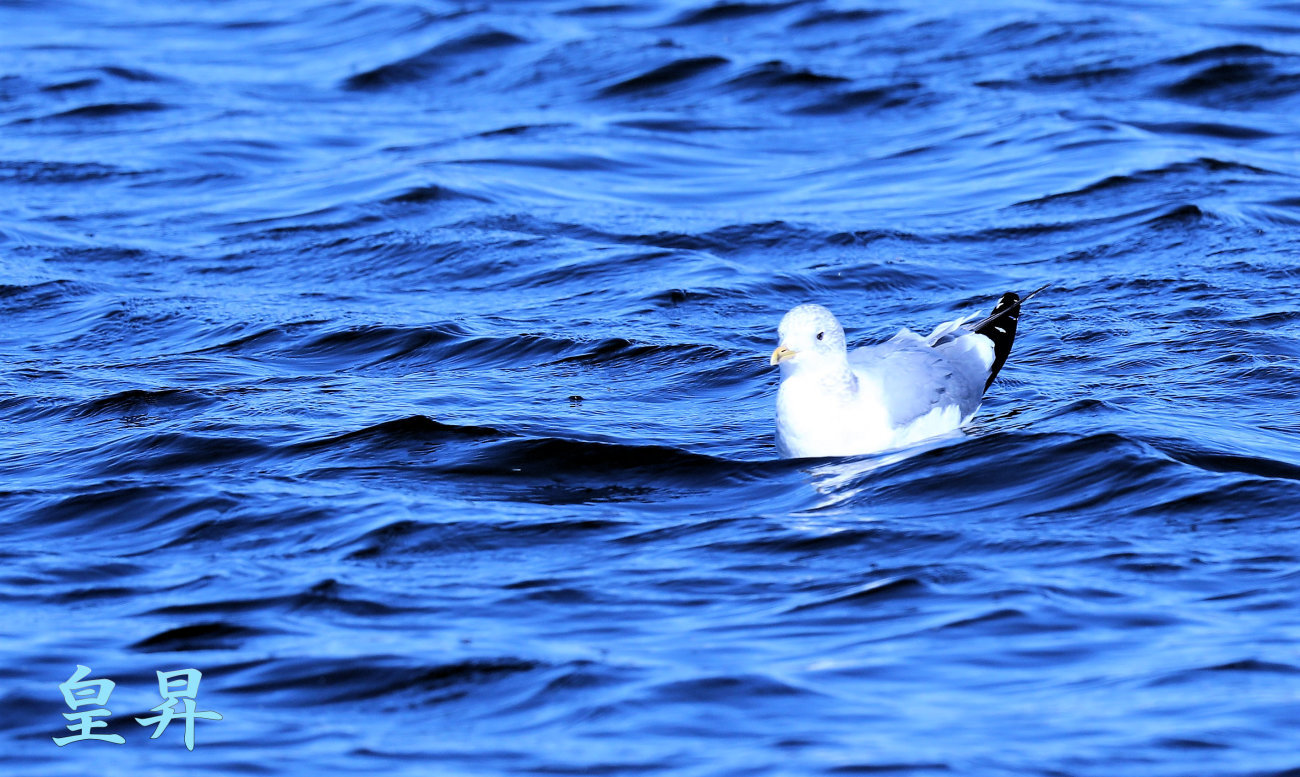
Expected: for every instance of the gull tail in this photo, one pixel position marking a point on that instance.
(1000, 327)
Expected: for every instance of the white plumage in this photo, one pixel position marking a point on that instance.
(904, 390)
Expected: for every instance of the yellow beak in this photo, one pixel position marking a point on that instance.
(781, 354)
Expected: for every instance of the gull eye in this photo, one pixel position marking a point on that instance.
(821, 335)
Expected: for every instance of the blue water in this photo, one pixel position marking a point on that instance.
(402, 367)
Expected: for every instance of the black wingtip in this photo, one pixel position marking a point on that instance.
(1000, 327)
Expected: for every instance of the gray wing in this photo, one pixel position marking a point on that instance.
(916, 378)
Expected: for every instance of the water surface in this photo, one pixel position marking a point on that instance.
(402, 367)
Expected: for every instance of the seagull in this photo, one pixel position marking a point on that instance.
(880, 397)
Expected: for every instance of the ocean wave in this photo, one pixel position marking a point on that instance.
(407, 363)
(422, 66)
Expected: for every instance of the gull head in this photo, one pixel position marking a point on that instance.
(809, 336)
